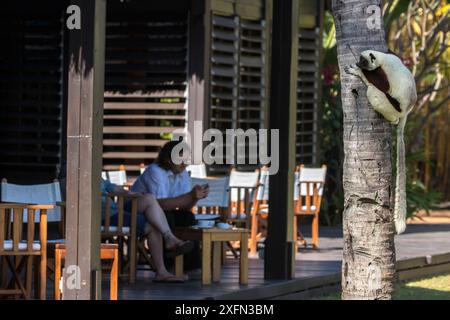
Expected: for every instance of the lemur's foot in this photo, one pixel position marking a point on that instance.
(395, 122)
(352, 69)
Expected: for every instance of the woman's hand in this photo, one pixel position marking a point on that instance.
(199, 192)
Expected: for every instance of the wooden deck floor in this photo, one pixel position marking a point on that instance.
(419, 240)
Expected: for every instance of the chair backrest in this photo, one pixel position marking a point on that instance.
(118, 177)
(14, 237)
(315, 177)
(244, 179)
(197, 170)
(218, 196)
(242, 184)
(262, 193)
(263, 188)
(45, 194)
(309, 189)
(118, 228)
(297, 183)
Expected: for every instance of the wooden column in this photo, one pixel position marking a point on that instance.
(84, 150)
(198, 64)
(279, 253)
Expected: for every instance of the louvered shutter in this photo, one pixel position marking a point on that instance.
(252, 100)
(308, 95)
(237, 91)
(224, 72)
(145, 86)
(31, 66)
(251, 75)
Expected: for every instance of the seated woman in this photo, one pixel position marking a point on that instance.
(152, 222)
(171, 185)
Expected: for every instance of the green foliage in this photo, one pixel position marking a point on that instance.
(417, 196)
(394, 10)
(332, 144)
(329, 40)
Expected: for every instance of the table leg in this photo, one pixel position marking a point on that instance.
(224, 252)
(217, 257)
(243, 267)
(206, 258)
(179, 265)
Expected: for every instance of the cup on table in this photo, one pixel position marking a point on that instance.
(223, 225)
(206, 223)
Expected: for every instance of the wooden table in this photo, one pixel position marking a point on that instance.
(212, 241)
(108, 251)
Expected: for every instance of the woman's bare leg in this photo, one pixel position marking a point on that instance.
(150, 207)
(155, 244)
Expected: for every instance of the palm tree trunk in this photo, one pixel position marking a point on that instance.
(368, 266)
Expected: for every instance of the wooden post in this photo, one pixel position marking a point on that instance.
(198, 64)
(268, 7)
(84, 151)
(279, 244)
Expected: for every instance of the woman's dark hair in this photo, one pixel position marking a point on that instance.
(164, 159)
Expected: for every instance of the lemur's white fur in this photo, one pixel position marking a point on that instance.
(401, 89)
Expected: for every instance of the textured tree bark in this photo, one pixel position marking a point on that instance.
(368, 266)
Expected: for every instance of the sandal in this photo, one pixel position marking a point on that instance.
(169, 279)
(180, 248)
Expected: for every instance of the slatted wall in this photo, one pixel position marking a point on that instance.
(251, 77)
(308, 95)
(31, 85)
(224, 72)
(145, 85)
(237, 92)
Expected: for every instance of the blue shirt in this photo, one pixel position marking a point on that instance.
(106, 187)
(162, 183)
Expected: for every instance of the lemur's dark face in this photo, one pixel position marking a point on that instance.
(368, 60)
(362, 63)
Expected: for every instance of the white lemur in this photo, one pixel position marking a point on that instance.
(391, 90)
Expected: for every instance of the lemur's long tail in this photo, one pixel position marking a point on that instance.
(400, 183)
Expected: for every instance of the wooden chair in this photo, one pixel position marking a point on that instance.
(197, 170)
(308, 197)
(217, 201)
(118, 177)
(260, 209)
(18, 248)
(48, 193)
(305, 203)
(45, 194)
(218, 198)
(107, 252)
(122, 234)
(242, 189)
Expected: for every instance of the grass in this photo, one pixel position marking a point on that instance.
(432, 288)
